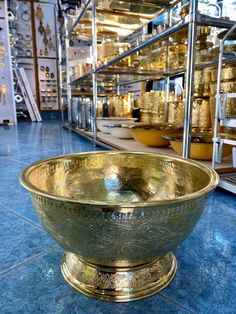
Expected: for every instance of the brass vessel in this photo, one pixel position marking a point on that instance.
(118, 215)
(150, 134)
(201, 145)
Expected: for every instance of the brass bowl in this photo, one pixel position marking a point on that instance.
(201, 146)
(103, 123)
(151, 134)
(118, 215)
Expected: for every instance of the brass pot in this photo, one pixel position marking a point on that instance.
(228, 73)
(118, 215)
(225, 87)
(151, 134)
(200, 151)
(201, 146)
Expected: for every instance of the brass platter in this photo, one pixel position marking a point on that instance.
(118, 215)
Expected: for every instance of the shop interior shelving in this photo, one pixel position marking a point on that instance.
(227, 178)
(110, 71)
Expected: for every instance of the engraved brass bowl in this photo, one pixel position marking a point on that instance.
(150, 134)
(201, 145)
(118, 215)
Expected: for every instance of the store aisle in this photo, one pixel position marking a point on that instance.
(30, 278)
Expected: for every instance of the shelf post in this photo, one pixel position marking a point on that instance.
(189, 81)
(94, 65)
(216, 156)
(67, 42)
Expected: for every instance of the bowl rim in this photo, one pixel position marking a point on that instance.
(213, 182)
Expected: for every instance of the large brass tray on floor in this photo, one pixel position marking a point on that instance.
(118, 215)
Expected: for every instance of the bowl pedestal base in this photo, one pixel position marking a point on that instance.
(118, 284)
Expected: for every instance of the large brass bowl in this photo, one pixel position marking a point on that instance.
(150, 134)
(118, 215)
(201, 145)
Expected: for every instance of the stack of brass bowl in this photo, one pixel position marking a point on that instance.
(228, 85)
(152, 107)
(175, 109)
(110, 50)
(121, 105)
(157, 109)
(158, 59)
(201, 113)
(204, 52)
(177, 56)
(201, 117)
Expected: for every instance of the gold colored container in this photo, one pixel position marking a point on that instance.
(228, 73)
(145, 116)
(203, 31)
(176, 112)
(118, 215)
(204, 115)
(199, 150)
(225, 87)
(151, 134)
(204, 52)
(173, 57)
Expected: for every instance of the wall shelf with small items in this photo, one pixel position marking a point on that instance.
(33, 28)
(7, 102)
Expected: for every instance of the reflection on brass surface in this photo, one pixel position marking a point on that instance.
(118, 209)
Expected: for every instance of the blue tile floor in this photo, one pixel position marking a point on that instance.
(30, 278)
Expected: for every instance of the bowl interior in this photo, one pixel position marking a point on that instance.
(117, 177)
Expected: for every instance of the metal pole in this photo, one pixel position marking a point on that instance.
(94, 65)
(167, 79)
(218, 97)
(192, 33)
(61, 101)
(67, 42)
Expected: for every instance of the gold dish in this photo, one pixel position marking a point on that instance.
(151, 134)
(103, 123)
(201, 146)
(118, 215)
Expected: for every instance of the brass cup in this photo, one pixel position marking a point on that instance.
(118, 215)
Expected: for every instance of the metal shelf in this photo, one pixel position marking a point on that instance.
(81, 78)
(63, 61)
(107, 71)
(159, 6)
(206, 20)
(144, 44)
(231, 123)
(82, 12)
(147, 75)
(228, 182)
(226, 141)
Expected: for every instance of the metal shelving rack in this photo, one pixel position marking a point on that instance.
(194, 19)
(227, 179)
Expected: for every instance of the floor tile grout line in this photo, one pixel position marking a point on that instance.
(174, 302)
(22, 217)
(19, 161)
(28, 261)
